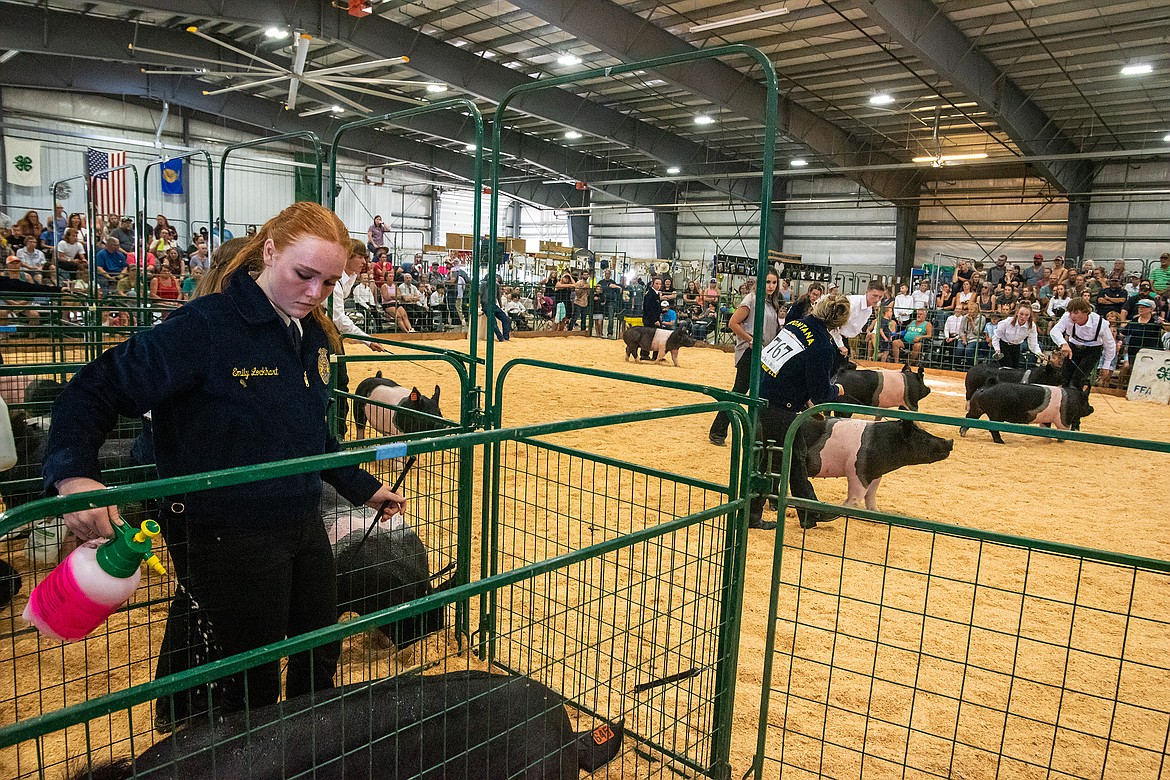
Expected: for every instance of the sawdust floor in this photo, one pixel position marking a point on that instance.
(854, 639)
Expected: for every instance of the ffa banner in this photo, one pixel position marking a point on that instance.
(23, 162)
(172, 177)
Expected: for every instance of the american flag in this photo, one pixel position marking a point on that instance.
(108, 190)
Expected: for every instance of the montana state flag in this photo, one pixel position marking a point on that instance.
(172, 177)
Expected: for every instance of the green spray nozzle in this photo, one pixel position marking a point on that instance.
(124, 553)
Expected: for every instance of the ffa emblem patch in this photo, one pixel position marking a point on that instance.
(323, 365)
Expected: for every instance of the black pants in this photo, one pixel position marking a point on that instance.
(254, 585)
(773, 426)
(1077, 371)
(1011, 355)
(743, 375)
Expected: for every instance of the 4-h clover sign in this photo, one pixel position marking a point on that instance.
(23, 165)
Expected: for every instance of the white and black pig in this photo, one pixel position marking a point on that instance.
(863, 452)
(983, 373)
(389, 568)
(392, 422)
(459, 725)
(659, 341)
(883, 388)
(1063, 407)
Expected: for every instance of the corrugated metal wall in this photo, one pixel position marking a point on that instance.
(827, 219)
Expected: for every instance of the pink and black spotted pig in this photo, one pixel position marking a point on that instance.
(883, 388)
(863, 452)
(1062, 407)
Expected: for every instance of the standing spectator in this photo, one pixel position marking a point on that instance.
(785, 291)
(563, 298)
(804, 303)
(904, 305)
(125, 234)
(581, 300)
(1083, 336)
(1033, 273)
(668, 293)
(376, 235)
(1160, 276)
(611, 292)
(110, 263)
(1111, 298)
(1011, 333)
(742, 324)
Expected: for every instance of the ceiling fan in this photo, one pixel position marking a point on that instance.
(330, 81)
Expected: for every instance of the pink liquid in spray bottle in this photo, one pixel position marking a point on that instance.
(95, 580)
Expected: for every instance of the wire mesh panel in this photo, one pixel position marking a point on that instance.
(909, 648)
(907, 652)
(627, 631)
(398, 560)
(637, 631)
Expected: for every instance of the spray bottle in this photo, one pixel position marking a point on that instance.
(96, 579)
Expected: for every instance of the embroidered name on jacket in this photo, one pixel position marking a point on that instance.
(248, 373)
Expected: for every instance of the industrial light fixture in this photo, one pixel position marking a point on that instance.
(568, 60)
(674, 170)
(1137, 69)
(1167, 138)
(572, 135)
(798, 162)
(458, 42)
(487, 54)
(654, 82)
(881, 99)
(469, 148)
(436, 87)
(276, 33)
(949, 158)
(739, 20)
(704, 119)
(6, 56)
(322, 110)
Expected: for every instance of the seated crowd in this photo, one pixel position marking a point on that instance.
(980, 313)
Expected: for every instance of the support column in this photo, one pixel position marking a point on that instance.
(514, 211)
(579, 230)
(189, 164)
(776, 215)
(665, 233)
(4, 164)
(905, 240)
(1078, 231)
(436, 209)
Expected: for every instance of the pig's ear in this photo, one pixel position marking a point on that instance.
(436, 397)
(921, 371)
(906, 369)
(908, 427)
(415, 394)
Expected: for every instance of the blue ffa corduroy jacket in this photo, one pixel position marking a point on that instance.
(804, 377)
(225, 389)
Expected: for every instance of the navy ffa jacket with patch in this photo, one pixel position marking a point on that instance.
(796, 366)
(225, 389)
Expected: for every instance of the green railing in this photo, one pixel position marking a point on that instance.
(903, 646)
(609, 620)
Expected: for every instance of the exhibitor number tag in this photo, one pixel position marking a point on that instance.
(783, 348)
